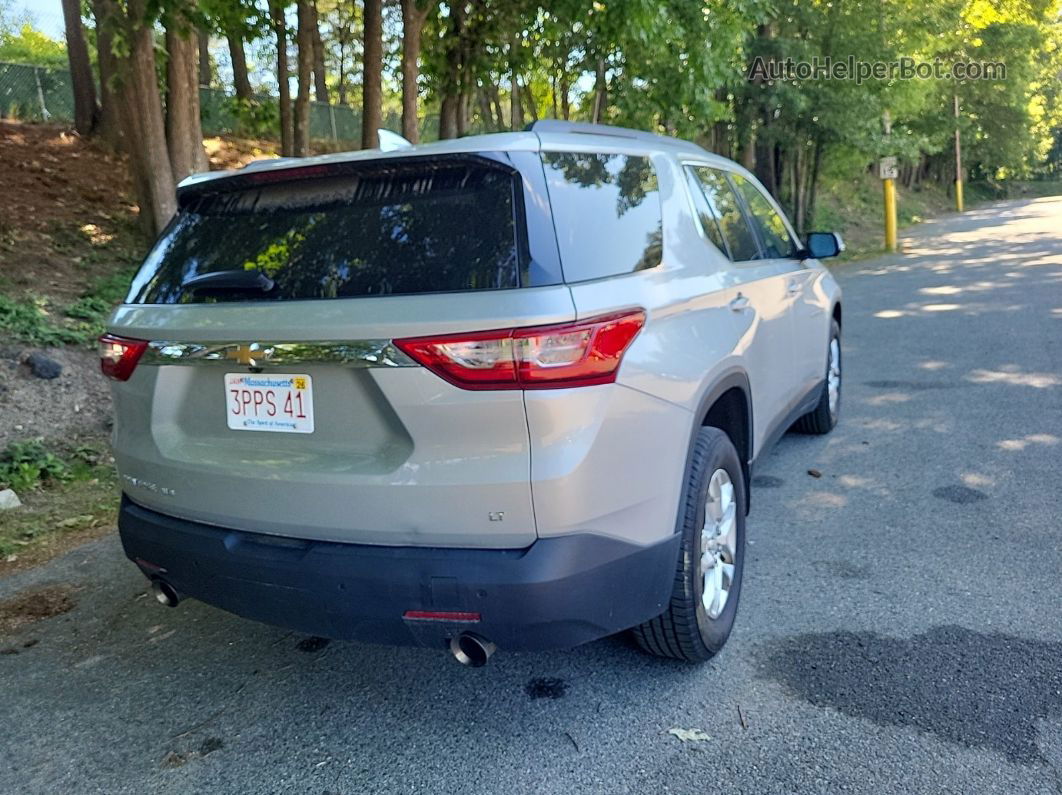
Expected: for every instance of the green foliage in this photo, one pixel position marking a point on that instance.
(88, 307)
(27, 464)
(255, 118)
(35, 322)
(30, 321)
(89, 313)
(64, 488)
(27, 45)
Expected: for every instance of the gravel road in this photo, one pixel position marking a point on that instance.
(900, 629)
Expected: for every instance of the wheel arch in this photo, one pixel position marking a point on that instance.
(727, 405)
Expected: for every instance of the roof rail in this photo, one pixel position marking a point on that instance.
(587, 128)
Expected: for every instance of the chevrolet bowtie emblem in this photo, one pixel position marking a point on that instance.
(251, 355)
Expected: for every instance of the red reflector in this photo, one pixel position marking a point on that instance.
(582, 353)
(119, 355)
(437, 615)
(144, 564)
(287, 174)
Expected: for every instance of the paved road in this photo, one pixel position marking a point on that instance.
(901, 627)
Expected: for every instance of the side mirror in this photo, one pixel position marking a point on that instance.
(820, 245)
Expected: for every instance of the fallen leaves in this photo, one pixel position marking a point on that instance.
(173, 759)
(690, 735)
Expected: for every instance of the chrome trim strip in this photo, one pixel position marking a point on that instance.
(351, 353)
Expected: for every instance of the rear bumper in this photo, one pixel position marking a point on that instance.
(557, 593)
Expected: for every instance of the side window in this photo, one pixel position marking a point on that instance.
(706, 214)
(606, 210)
(777, 242)
(732, 221)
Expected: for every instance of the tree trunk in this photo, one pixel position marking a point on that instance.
(287, 127)
(462, 113)
(448, 117)
(184, 134)
(499, 112)
(449, 107)
(304, 38)
(722, 143)
(796, 198)
(813, 186)
(372, 97)
(320, 74)
(109, 127)
(86, 114)
(485, 110)
(516, 108)
(240, 81)
(205, 71)
(412, 28)
(143, 127)
(600, 92)
(566, 103)
(747, 145)
(342, 69)
(765, 157)
(531, 103)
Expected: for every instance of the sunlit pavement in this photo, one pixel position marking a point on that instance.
(900, 630)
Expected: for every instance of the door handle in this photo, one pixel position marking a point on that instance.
(793, 287)
(739, 304)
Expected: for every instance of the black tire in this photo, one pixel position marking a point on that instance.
(821, 419)
(685, 631)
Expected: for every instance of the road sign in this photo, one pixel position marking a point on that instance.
(887, 168)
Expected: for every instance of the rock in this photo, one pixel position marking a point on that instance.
(43, 366)
(9, 500)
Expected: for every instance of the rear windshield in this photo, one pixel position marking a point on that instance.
(424, 228)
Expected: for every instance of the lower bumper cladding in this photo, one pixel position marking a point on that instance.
(557, 593)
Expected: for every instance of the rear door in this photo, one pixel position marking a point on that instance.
(268, 300)
(780, 243)
(760, 302)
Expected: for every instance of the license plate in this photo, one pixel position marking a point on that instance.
(269, 402)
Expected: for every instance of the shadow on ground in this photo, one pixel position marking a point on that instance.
(977, 690)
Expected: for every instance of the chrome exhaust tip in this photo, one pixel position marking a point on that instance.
(471, 650)
(165, 593)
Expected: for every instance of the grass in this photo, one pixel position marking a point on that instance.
(65, 491)
(37, 321)
(33, 320)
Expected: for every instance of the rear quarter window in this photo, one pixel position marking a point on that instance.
(384, 230)
(606, 211)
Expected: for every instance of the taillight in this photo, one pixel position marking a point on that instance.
(582, 353)
(119, 355)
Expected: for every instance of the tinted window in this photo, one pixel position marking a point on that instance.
(732, 221)
(777, 242)
(606, 209)
(706, 214)
(386, 231)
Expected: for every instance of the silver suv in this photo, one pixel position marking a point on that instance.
(505, 390)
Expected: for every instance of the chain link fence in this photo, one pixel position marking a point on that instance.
(36, 93)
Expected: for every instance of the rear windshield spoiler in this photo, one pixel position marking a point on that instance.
(251, 178)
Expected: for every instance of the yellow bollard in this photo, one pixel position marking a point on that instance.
(890, 214)
(958, 195)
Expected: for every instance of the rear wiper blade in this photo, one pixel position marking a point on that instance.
(228, 281)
